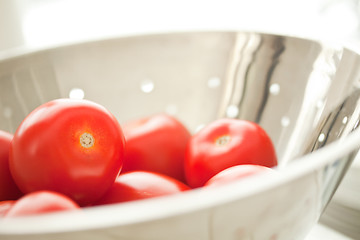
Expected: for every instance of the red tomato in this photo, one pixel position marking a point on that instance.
(5, 206)
(8, 188)
(156, 144)
(236, 173)
(138, 185)
(225, 143)
(41, 202)
(74, 147)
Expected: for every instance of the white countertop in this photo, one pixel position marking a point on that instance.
(322, 232)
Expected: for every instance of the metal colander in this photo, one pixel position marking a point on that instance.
(304, 93)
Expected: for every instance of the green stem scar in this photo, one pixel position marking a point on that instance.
(87, 140)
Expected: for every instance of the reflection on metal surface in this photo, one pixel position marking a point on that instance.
(276, 81)
(24, 86)
(337, 125)
(273, 77)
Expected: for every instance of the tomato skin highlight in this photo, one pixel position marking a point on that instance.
(236, 173)
(139, 185)
(156, 143)
(8, 189)
(41, 202)
(225, 143)
(49, 152)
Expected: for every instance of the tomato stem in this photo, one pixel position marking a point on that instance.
(223, 140)
(87, 140)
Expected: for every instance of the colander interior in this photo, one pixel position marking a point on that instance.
(288, 85)
(304, 93)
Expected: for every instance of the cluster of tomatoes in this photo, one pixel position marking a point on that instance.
(68, 154)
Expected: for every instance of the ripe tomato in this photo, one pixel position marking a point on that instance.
(138, 185)
(41, 202)
(236, 173)
(74, 147)
(156, 143)
(5, 206)
(8, 188)
(225, 143)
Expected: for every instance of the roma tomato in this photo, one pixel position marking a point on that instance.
(225, 143)
(41, 202)
(236, 173)
(138, 185)
(156, 143)
(5, 206)
(74, 147)
(8, 188)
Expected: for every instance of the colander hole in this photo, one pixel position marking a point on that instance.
(274, 89)
(171, 109)
(345, 120)
(213, 82)
(147, 86)
(320, 104)
(232, 111)
(76, 93)
(285, 121)
(321, 137)
(7, 112)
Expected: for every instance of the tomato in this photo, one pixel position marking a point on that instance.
(156, 143)
(236, 173)
(5, 206)
(225, 143)
(139, 185)
(41, 202)
(74, 147)
(8, 188)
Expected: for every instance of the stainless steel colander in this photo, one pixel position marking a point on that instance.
(304, 93)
